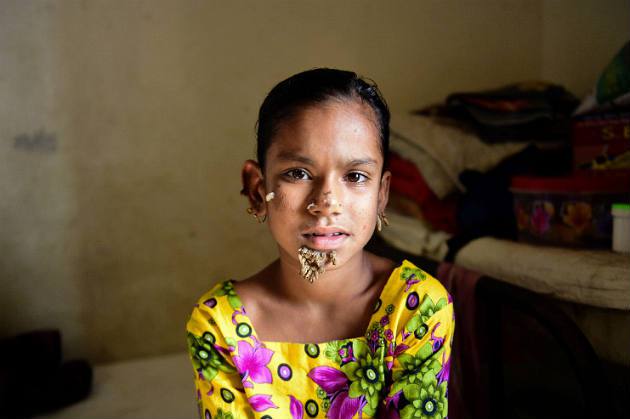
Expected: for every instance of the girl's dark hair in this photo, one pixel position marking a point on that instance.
(309, 88)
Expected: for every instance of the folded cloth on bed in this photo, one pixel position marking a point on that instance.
(415, 236)
(443, 152)
(596, 278)
(525, 111)
(436, 177)
(410, 195)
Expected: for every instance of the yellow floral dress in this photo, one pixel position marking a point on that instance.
(399, 369)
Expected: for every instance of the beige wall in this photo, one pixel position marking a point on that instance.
(579, 38)
(129, 208)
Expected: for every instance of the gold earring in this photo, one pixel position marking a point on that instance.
(253, 213)
(385, 220)
(380, 220)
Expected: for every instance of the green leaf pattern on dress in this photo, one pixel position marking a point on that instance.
(227, 289)
(366, 375)
(417, 324)
(205, 358)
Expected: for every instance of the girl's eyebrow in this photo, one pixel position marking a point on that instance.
(291, 156)
(361, 162)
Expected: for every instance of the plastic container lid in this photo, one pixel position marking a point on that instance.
(600, 183)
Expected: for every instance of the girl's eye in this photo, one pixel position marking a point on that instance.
(297, 174)
(356, 177)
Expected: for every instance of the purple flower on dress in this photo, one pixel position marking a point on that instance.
(237, 312)
(296, 408)
(335, 384)
(328, 378)
(394, 351)
(221, 349)
(384, 320)
(345, 407)
(437, 341)
(413, 279)
(443, 374)
(389, 335)
(391, 406)
(251, 362)
(346, 354)
(261, 402)
(212, 302)
(412, 301)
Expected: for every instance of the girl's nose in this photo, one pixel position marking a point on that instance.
(325, 205)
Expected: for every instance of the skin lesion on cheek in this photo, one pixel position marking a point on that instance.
(279, 202)
(290, 197)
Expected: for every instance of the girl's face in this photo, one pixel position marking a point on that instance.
(327, 155)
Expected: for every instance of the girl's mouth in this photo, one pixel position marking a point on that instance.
(325, 241)
(338, 233)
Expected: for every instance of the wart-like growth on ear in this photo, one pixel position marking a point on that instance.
(314, 262)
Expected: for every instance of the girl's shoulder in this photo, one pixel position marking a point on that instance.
(223, 290)
(214, 308)
(410, 289)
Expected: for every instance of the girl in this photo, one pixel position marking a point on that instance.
(328, 329)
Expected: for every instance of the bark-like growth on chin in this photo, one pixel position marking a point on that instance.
(314, 262)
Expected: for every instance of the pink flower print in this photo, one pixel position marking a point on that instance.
(541, 217)
(296, 408)
(389, 335)
(443, 374)
(261, 402)
(329, 379)
(251, 362)
(335, 384)
(344, 406)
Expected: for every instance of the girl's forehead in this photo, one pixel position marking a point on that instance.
(344, 130)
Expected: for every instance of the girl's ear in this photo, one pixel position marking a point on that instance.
(253, 186)
(383, 191)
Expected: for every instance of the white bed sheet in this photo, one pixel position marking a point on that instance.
(147, 388)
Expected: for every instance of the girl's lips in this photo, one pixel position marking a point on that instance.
(327, 242)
